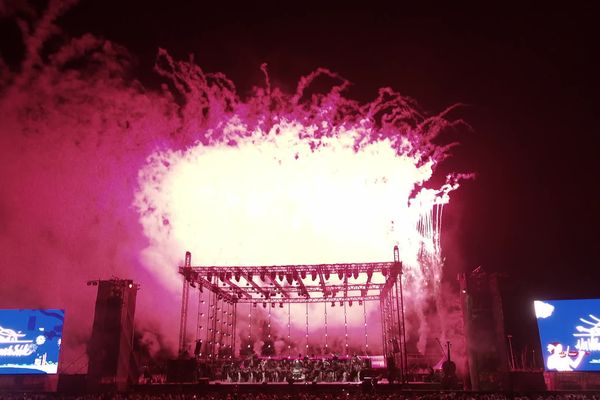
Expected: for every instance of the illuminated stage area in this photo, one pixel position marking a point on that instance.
(242, 289)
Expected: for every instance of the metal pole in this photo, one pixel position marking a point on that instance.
(200, 320)
(326, 345)
(400, 328)
(250, 305)
(345, 330)
(233, 330)
(289, 330)
(366, 330)
(404, 355)
(306, 329)
(269, 328)
(184, 305)
(383, 326)
(207, 344)
(512, 355)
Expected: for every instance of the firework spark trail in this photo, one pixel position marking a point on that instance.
(302, 178)
(104, 177)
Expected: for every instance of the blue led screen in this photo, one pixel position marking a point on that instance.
(569, 333)
(30, 340)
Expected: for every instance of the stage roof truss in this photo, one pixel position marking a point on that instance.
(295, 283)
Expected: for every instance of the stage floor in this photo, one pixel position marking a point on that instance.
(216, 386)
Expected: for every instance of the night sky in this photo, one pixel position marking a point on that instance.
(527, 76)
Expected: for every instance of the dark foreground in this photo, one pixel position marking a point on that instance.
(234, 393)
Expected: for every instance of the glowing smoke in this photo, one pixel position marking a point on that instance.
(303, 178)
(89, 154)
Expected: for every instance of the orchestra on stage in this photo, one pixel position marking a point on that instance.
(301, 369)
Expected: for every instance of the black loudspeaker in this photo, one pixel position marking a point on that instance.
(532, 381)
(395, 345)
(198, 347)
(71, 384)
(484, 328)
(368, 384)
(182, 371)
(111, 344)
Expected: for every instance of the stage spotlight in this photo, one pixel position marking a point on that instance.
(303, 274)
(350, 303)
(333, 304)
(341, 303)
(264, 305)
(360, 303)
(356, 274)
(313, 275)
(326, 275)
(272, 305)
(280, 305)
(340, 275)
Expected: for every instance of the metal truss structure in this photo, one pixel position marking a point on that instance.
(273, 286)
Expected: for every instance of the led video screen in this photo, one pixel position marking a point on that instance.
(30, 341)
(569, 334)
